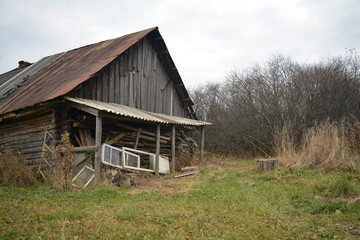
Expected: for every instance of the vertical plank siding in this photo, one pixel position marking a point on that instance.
(137, 79)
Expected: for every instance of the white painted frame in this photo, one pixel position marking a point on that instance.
(80, 172)
(122, 160)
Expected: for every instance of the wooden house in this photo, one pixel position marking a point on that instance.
(125, 92)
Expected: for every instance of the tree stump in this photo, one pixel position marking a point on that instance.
(265, 165)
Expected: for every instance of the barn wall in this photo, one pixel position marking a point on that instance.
(137, 79)
(26, 134)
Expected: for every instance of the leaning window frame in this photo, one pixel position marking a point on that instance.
(124, 150)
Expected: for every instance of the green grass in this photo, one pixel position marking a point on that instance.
(232, 202)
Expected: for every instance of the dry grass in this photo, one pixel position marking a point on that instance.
(13, 171)
(325, 147)
(60, 158)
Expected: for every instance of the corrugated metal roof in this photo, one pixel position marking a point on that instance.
(26, 74)
(137, 113)
(68, 71)
(6, 76)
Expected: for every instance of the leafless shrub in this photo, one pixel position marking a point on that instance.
(252, 103)
(61, 159)
(13, 171)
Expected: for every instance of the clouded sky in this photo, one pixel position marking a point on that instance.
(206, 38)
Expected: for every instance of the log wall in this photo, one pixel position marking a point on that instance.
(137, 79)
(26, 134)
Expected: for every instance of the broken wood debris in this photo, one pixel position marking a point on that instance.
(190, 168)
(182, 175)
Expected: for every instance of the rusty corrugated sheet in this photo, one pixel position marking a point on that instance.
(137, 113)
(14, 82)
(68, 71)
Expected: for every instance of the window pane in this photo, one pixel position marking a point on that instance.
(107, 154)
(131, 160)
(115, 157)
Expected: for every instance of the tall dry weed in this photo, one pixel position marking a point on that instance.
(60, 158)
(325, 147)
(13, 170)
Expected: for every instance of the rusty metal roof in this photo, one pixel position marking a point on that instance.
(69, 70)
(17, 80)
(6, 76)
(135, 113)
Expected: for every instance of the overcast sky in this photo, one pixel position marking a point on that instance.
(206, 39)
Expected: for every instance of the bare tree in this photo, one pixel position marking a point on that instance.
(249, 105)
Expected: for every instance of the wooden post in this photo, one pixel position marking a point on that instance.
(173, 156)
(137, 138)
(202, 139)
(98, 133)
(157, 157)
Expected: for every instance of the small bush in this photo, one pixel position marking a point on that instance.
(13, 171)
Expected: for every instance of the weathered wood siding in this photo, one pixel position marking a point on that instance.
(26, 134)
(136, 79)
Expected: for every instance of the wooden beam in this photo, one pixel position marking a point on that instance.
(85, 149)
(137, 138)
(202, 139)
(116, 138)
(157, 152)
(87, 109)
(98, 133)
(173, 155)
(142, 131)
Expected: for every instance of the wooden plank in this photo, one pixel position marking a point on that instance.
(202, 139)
(86, 149)
(142, 131)
(157, 150)
(117, 82)
(82, 137)
(99, 87)
(137, 138)
(173, 155)
(89, 139)
(98, 134)
(112, 83)
(153, 139)
(87, 109)
(78, 140)
(182, 175)
(93, 87)
(105, 87)
(116, 138)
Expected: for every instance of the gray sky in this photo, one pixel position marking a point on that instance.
(206, 39)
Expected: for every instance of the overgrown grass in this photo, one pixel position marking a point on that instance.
(231, 201)
(326, 147)
(13, 171)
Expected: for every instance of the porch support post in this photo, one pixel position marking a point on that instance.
(202, 139)
(157, 156)
(98, 133)
(173, 156)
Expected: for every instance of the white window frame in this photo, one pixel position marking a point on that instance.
(125, 150)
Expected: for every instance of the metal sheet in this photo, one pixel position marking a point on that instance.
(137, 113)
(23, 76)
(68, 71)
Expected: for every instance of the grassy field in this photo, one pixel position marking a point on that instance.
(230, 201)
